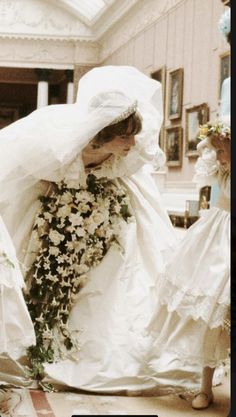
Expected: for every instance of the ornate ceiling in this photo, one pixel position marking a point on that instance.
(97, 15)
(62, 33)
(61, 19)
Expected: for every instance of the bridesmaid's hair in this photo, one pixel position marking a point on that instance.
(132, 125)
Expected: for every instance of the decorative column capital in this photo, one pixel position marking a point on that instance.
(43, 74)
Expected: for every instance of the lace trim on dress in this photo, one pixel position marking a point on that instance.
(196, 306)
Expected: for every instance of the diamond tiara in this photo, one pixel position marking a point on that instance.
(130, 110)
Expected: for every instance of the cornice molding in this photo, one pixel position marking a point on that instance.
(47, 54)
(62, 38)
(55, 35)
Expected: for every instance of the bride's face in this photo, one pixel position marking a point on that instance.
(119, 145)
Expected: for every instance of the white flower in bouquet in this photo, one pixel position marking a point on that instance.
(56, 237)
(63, 272)
(73, 184)
(75, 219)
(83, 207)
(80, 280)
(48, 216)
(84, 197)
(66, 198)
(61, 259)
(79, 245)
(40, 221)
(53, 250)
(70, 245)
(81, 269)
(80, 232)
(64, 211)
(51, 277)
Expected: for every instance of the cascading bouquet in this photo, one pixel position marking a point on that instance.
(73, 230)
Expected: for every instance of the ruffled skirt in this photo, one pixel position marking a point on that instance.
(194, 297)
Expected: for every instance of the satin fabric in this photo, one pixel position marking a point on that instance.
(16, 328)
(115, 307)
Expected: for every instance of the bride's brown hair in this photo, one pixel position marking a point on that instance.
(132, 125)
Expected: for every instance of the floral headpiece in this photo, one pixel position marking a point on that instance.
(217, 129)
(224, 22)
(130, 110)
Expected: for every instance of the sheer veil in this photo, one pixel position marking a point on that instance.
(42, 145)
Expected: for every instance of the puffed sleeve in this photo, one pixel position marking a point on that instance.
(206, 167)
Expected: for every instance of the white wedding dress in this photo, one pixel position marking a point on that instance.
(16, 328)
(190, 322)
(115, 306)
(117, 302)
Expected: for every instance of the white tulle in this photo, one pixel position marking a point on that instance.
(42, 145)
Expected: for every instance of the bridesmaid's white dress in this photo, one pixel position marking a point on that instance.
(194, 295)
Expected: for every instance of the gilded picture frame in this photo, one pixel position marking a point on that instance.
(224, 70)
(175, 94)
(174, 146)
(195, 116)
(160, 75)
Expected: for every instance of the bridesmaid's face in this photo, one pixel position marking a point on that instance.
(223, 150)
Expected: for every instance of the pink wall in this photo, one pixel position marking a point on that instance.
(185, 36)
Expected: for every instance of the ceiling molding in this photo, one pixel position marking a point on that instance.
(57, 20)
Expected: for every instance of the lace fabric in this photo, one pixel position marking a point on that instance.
(206, 307)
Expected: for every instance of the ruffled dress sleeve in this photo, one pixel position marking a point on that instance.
(207, 166)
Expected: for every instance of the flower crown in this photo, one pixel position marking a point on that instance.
(217, 129)
(130, 110)
(224, 22)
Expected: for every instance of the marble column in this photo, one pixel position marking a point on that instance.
(70, 86)
(42, 94)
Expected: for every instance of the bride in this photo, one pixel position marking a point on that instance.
(90, 227)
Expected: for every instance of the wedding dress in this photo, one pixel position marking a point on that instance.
(115, 305)
(16, 328)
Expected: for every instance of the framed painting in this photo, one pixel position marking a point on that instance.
(175, 94)
(195, 116)
(204, 197)
(160, 75)
(173, 146)
(224, 69)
